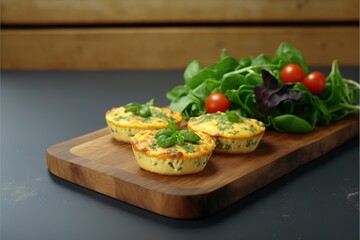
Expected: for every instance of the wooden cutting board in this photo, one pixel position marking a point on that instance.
(98, 162)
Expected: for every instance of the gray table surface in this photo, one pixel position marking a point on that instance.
(40, 108)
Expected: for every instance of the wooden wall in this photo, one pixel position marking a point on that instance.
(160, 34)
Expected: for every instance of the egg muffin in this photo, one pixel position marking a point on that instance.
(230, 137)
(125, 124)
(179, 159)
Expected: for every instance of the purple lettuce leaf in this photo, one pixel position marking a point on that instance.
(270, 95)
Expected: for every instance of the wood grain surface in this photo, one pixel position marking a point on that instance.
(169, 47)
(178, 11)
(98, 162)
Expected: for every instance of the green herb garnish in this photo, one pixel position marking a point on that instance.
(233, 116)
(170, 136)
(142, 110)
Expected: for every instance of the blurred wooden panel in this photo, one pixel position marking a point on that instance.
(169, 48)
(180, 11)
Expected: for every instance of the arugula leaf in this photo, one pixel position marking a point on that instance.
(340, 94)
(225, 65)
(245, 62)
(231, 82)
(260, 61)
(194, 75)
(189, 105)
(177, 92)
(201, 76)
(286, 53)
(290, 123)
(191, 70)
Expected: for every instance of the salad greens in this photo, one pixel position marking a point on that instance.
(269, 95)
(295, 108)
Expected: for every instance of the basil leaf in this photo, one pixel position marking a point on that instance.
(142, 110)
(180, 139)
(170, 136)
(163, 132)
(165, 142)
(232, 116)
(132, 107)
(190, 136)
(172, 127)
(151, 102)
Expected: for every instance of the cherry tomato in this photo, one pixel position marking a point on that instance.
(292, 73)
(315, 82)
(216, 102)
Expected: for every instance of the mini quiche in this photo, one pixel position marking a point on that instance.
(230, 137)
(125, 124)
(178, 159)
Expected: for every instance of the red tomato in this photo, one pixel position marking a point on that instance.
(292, 73)
(216, 102)
(315, 82)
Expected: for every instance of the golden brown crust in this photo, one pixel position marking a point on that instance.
(159, 119)
(216, 126)
(188, 158)
(123, 125)
(233, 138)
